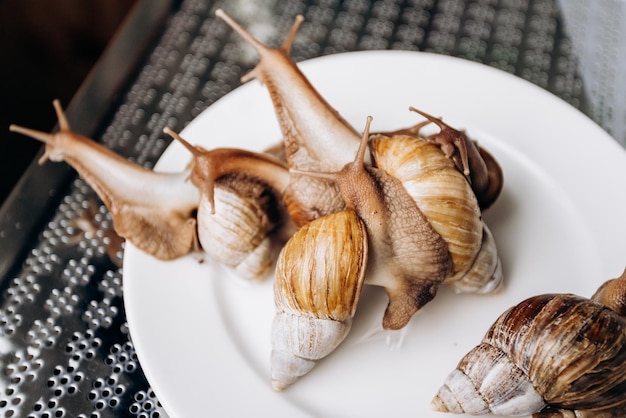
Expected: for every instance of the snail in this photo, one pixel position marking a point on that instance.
(315, 136)
(552, 355)
(449, 204)
(154, 211)
(422, 219)
(316, 293)
(230, 209)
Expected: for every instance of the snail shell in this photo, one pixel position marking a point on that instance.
(485, 274)
(619, 411)
(240, 215)
(447, 200)
(556, 350)
(236, 231)
(319, 276)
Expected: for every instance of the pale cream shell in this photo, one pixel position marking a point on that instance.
(485, 274)
(236, 234)
(447, 200)
(319, 276)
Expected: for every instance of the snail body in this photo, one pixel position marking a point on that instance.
(550, 354)
(152, 210)
(316, 293)
(315, 136)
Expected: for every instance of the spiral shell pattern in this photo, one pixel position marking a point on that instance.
(447, 200)
(562, 351)
(319, 276)
(236, 233)
(485, 274)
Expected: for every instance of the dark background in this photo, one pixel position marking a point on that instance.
(47, 48)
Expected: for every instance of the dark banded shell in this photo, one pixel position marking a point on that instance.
(568, 350)
(572, 349)
(618, 411)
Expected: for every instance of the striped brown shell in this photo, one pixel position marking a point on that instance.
(319, 277)
(556, 350)
(447, 200)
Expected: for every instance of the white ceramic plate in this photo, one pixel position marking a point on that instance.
(202, 335)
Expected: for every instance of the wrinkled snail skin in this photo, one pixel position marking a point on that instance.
(553, 355)
(447, 200)
(240, 214)
(316, 137)
(154, 211)
(316, 293)
(407, 257)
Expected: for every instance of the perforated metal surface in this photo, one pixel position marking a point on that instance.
(65, 349)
